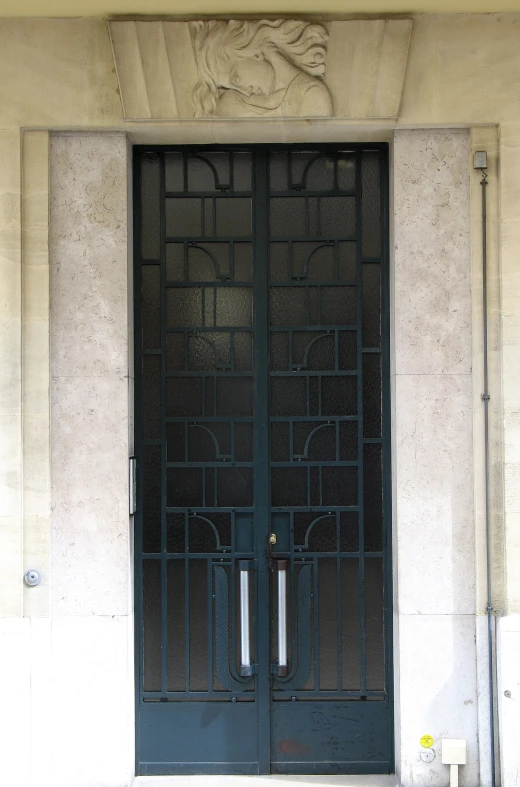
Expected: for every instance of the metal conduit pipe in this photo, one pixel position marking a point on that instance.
(480, 163)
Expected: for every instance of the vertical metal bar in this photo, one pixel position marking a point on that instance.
(245, 639)
(232, 337)
(386, 432)
(164, 476)
(293, 595)
(209, 602)
(185, 170)
(261, 454)
(233, 613)
(316, 633)
(187, 601)
(281, 566)
(338, 598)
(359, 299)
(138, 520)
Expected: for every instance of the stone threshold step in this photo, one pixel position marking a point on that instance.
(268, 781)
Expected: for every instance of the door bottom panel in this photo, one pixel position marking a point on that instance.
(331, 737)
(197, 737)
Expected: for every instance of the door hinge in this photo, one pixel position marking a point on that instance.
(132, 485)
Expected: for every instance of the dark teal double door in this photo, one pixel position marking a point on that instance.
(262, 555)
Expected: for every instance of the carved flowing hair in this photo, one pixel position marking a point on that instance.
(217, 42)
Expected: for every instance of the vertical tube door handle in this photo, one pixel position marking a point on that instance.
(282, 668)
(246, 668)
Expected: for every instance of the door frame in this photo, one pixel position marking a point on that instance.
(264, 697)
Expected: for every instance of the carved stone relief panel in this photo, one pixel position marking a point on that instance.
(260, 68)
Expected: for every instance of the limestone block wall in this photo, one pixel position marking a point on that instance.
(433, 469)
(59, 75)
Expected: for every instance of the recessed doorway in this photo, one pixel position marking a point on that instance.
(263, 577)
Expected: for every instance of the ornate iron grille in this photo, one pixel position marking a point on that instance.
(326, 417)
(262, 378)
(197, 388)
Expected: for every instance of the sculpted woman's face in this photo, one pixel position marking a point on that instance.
(249, 75)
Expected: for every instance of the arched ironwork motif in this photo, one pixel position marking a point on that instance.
(305, 455)
(303, 364)
(200, 518)
(218, 185)
(303, 275)
(218, 274)
(218, 454)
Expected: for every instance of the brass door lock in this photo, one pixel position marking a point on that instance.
(272, 539)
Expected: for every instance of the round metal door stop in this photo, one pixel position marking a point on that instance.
(32, 577)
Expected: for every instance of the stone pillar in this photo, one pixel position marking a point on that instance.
(433, 468)
(82, 703)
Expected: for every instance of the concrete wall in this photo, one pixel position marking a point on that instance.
(59, 74)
